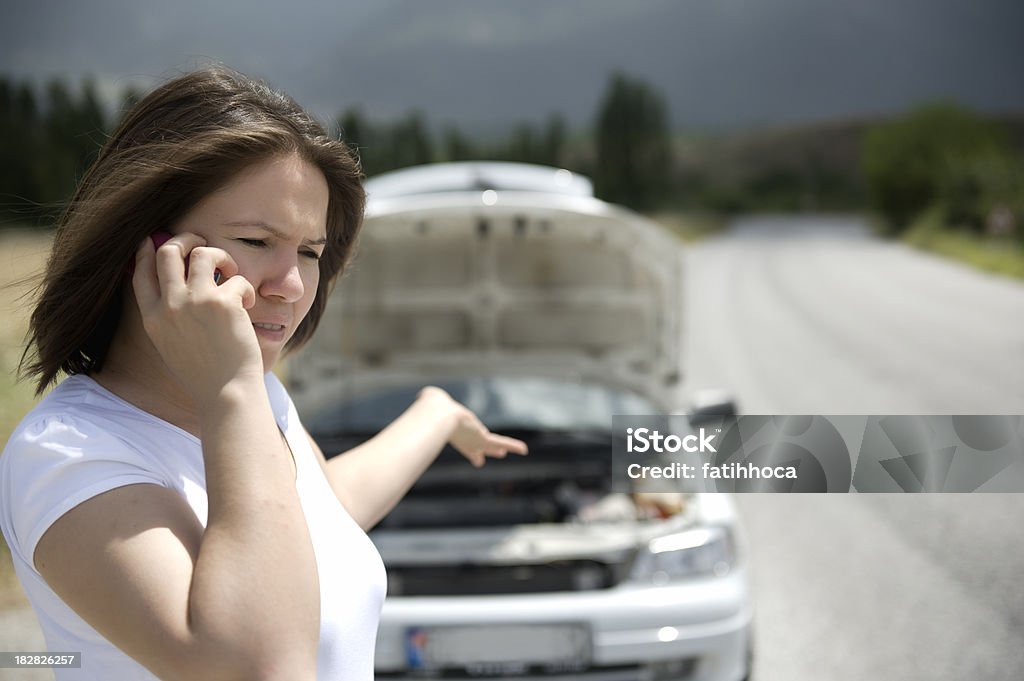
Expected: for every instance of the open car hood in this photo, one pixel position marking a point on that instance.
(462, 283)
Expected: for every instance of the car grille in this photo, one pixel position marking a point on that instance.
(475, 580)
(677, 670)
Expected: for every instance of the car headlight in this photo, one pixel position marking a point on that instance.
(693, 553)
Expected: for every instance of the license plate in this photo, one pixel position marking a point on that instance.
(498, 647)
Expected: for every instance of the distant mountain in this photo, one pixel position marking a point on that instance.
(798, 167)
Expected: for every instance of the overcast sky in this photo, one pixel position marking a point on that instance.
(490, 63)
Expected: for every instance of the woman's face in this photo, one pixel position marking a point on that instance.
(272, 219)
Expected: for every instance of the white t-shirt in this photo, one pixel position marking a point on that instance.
(82, 440)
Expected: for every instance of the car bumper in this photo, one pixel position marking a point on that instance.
(697, 630)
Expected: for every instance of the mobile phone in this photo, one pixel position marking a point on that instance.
(159, 238)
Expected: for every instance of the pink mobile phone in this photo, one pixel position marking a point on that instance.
(159, 238)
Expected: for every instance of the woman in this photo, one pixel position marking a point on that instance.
(167, 513)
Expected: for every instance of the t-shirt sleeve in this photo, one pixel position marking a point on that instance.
(54, 464)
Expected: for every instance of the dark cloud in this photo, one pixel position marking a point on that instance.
(487, 63)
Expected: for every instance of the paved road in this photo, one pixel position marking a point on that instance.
(815, 316)
(887, 587)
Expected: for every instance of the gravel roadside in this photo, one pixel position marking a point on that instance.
(19, 631)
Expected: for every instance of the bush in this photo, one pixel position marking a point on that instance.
(937, 154)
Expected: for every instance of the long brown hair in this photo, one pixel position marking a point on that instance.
(178, 144)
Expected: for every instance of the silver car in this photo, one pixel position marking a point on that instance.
(546, 311)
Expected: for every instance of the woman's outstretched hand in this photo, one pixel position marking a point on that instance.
(471, 438)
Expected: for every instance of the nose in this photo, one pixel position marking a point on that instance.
(283, 281)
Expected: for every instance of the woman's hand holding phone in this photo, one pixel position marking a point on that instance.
(202, 330)
(159, 238)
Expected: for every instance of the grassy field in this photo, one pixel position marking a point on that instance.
(22, 254)
(1001, 256)
(690, 227)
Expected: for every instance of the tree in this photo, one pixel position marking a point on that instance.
(522, 146)
(72, 132)
(554, 140)
(129, 98)
(19, 139)
(458, 147)
(410, 143)
(354, 131)
(90, 124)
(633, 144)
(535, 144)
(935, 155)
(387, 147)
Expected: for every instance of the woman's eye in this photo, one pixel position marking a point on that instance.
(311, 254)
(258, 243)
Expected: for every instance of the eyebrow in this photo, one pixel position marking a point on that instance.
(274, 230)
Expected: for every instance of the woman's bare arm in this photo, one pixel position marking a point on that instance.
(371, 478)
(238, 601)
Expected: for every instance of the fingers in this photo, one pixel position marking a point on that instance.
(205, 261)
(147, 290)
(476, 442)
(182, 262)
(511, 444)
(170, 260)
(496, 447)
(242, 288)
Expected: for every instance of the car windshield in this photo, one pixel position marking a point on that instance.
(509, 403)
